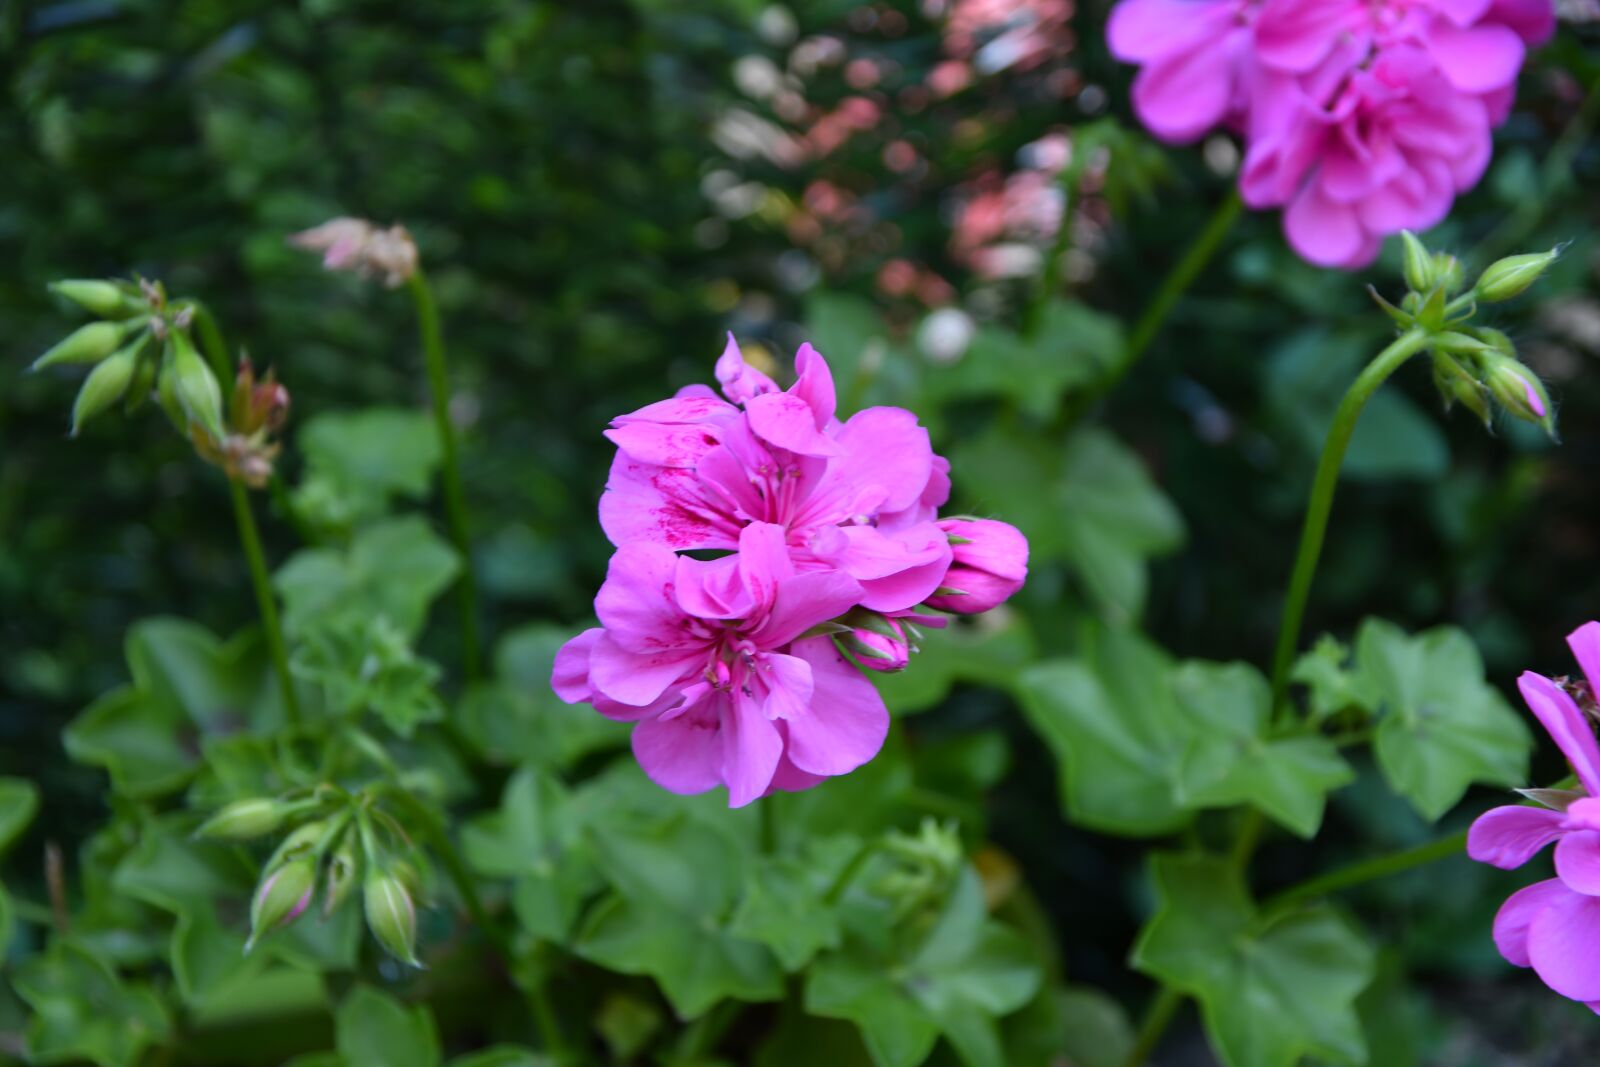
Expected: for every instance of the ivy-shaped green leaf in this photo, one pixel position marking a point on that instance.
(367, 664)
(1117, 732)
(519, 719)
(676, 884)
(356, 461)
(1143, 742)
(83, 1011)
(784, 905)
(372, 1027)
(393, 568)
(186, 683)
(1273, 988)
(966, 974)
(536, 839)
(1442, 727)
(1235, 760)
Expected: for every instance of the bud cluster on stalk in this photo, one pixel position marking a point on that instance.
(335, 843)
(141, 345)
(1474, 366)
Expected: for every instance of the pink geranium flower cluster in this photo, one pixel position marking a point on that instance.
(1361, 117)
(744, 669)
(1554, 926)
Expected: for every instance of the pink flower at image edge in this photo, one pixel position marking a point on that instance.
(1554, 926)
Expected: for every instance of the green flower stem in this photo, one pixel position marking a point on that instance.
(847, 874)
(455, 502)
(1050, 277)
(1370, 870)
(769, 825)
(544, 1017)
(1158, 1016)
(250, 541)
(1322, 489)
(1177, 282)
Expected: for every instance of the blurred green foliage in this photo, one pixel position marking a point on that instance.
(551, 159)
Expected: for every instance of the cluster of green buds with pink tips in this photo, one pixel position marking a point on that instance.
(335, 842)
(1474, 366)
(140, 345)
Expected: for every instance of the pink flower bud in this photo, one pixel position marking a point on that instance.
(990, 562)
(885, 647)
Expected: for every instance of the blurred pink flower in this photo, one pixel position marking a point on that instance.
(1361, 117)
(1356, 154)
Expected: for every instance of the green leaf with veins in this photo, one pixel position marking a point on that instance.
(1234, 759)
(1273, 988)
(1442, 727)
(966, 973)
(395, 568)
(676, 884)
(83, 1011)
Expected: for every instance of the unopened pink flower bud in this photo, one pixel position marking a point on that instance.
(884, 647)
(282, 897)
(989, 564)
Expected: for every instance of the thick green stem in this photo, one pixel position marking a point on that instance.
(250, 541)
(455, 501)
(1321, 504)
(1157, 1017)
(1370, 870)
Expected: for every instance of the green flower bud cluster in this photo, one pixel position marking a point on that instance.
(1473, 366)
(336, 842)
(925, 863)
(140, 346)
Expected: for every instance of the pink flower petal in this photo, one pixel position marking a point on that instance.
(764, 562)
(1564, 945)
(1182, 97)
(1516, 915)
(784, 683)
(739, 380)
(637, 605)
(1139, 31)
(711, 589)
(570, 675)
(814, 385)
(1566, 725)
(665, 505)
(846, 722)
(1295, 35)
(1509, 836)
(1477, 59)
(638, 679)
(884, 454)
(683, 755)
(805, 601)
(1585, 645)
(1578, 862)
(751, 747)
(786, 421)
(1326, 233)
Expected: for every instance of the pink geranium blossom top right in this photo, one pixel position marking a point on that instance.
(1360, 117)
